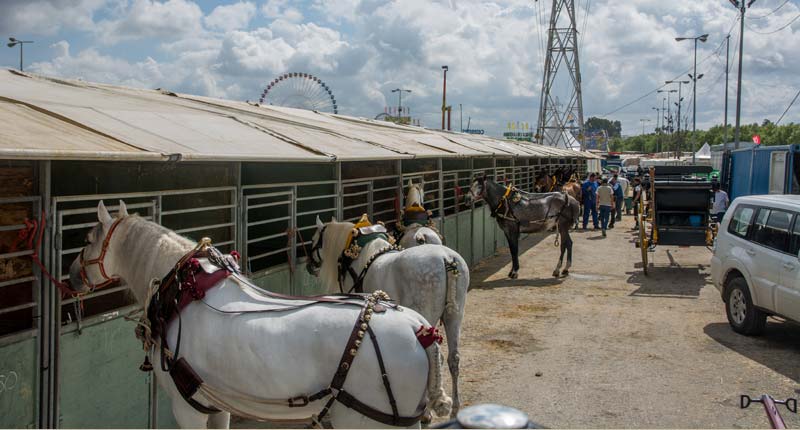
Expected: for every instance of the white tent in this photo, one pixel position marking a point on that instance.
(704, 152)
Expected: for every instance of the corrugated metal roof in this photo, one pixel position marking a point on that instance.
(49, 118)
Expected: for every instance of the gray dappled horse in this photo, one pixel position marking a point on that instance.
(520, 212)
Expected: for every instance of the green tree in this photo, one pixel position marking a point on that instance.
(613, 128)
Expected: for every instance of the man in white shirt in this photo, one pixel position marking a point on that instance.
(625, 184)
(721, 202)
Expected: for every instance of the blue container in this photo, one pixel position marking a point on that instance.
(695, 220)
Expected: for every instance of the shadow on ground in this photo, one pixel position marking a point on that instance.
(669, 281)
(777, 348)
(491, 266)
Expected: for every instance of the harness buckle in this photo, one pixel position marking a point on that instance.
(298, 402)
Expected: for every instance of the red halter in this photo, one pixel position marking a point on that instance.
(108, 280)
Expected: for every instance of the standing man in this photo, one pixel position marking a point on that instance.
(619, 199)
(721, 203)
(625, 184)
(637, 197)
(605, 203)
(589, 193)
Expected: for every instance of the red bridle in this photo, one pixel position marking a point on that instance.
(107, 280)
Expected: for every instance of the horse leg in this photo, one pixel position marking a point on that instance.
(452, 327)
(566, 243)
(187, 416)
(512, 236)
(438, 401)
(220, 420)
(560, 256)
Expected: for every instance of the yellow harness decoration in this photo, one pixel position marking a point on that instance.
(352, 248)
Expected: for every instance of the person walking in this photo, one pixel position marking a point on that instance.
(721, 202)
(619, 200)
(637, 197)
(589, 193)
(605, 203)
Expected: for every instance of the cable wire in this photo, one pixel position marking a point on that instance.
(787, 108)
(771, 13)
(774, 31)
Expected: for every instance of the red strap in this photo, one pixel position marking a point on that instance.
(34, 229)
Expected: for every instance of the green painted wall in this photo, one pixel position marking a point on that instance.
(450, 231)
(489, 233)
(18, 384)
(477, 235)
(465, 236)
(277, 281)
(100, 384)
(305, 284)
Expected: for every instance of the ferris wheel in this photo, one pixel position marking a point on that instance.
(299, 90)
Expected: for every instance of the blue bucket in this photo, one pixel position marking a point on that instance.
(695, 220)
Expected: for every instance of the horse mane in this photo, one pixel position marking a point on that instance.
(147, 243)
(336, 234)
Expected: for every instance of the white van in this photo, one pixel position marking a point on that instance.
(756, 262)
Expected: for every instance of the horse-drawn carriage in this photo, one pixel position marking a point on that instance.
(676, 206)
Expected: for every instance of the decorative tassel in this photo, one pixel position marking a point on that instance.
(146, 366)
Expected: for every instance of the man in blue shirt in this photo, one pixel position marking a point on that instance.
(589, 193)
(616, 187)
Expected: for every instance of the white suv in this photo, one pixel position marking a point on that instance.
(756, 262)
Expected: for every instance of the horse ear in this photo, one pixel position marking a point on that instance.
(333, 219)
(102, 214)
(319, 222)
(123, 210)
(409, 184)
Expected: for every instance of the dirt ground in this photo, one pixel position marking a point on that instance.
(609, 347)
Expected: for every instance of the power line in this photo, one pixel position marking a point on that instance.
(787, 108)
(774, 31)
(773, 11)
(714, 52)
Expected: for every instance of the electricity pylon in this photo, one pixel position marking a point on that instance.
(561, 125)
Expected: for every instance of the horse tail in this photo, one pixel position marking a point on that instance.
(451, 273)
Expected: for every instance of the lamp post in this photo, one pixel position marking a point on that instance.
(742, 6)
(679, 104)
(12, 42)
(400, 92)
(694, 77)
(658, 131)
(669, 108)
(444, 94)
(725, 119)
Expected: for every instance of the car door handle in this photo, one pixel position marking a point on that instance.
(751, 252)
(788, 266)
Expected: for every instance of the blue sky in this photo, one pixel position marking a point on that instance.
(365, 48)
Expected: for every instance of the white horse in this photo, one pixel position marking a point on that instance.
(432, 279)
(415, 227)
(251, 357)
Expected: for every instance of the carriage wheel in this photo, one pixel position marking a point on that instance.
(643, 245)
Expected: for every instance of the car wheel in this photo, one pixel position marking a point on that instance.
(743, 316)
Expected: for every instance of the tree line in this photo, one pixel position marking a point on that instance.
(687, 141)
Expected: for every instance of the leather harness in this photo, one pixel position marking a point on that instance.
(187, 282)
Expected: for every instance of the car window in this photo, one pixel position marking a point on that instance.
(771, 229)
(794, 249)
(740, 221)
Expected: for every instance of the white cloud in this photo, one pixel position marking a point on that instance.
(364, 48)
(231, 17)
(280, 9)
(46, 17)
(152, 19)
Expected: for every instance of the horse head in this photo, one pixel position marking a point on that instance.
(92, 269)
(415, 194)
(477, 189)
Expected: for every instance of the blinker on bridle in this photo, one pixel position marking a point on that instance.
(315, 257)
(99, 261)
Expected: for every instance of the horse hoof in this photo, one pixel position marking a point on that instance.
(555, 274)
(426, 418)
(565, 273)
(442, 406)
(513, 275)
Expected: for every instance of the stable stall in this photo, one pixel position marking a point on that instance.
(253, 178)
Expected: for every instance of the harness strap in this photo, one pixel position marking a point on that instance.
(386, 384)
(358, 279)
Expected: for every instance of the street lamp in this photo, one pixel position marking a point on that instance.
(12, 42)
(742, 7)
(657, 130)
(694, 78)
(400, 92)
(444, 95)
